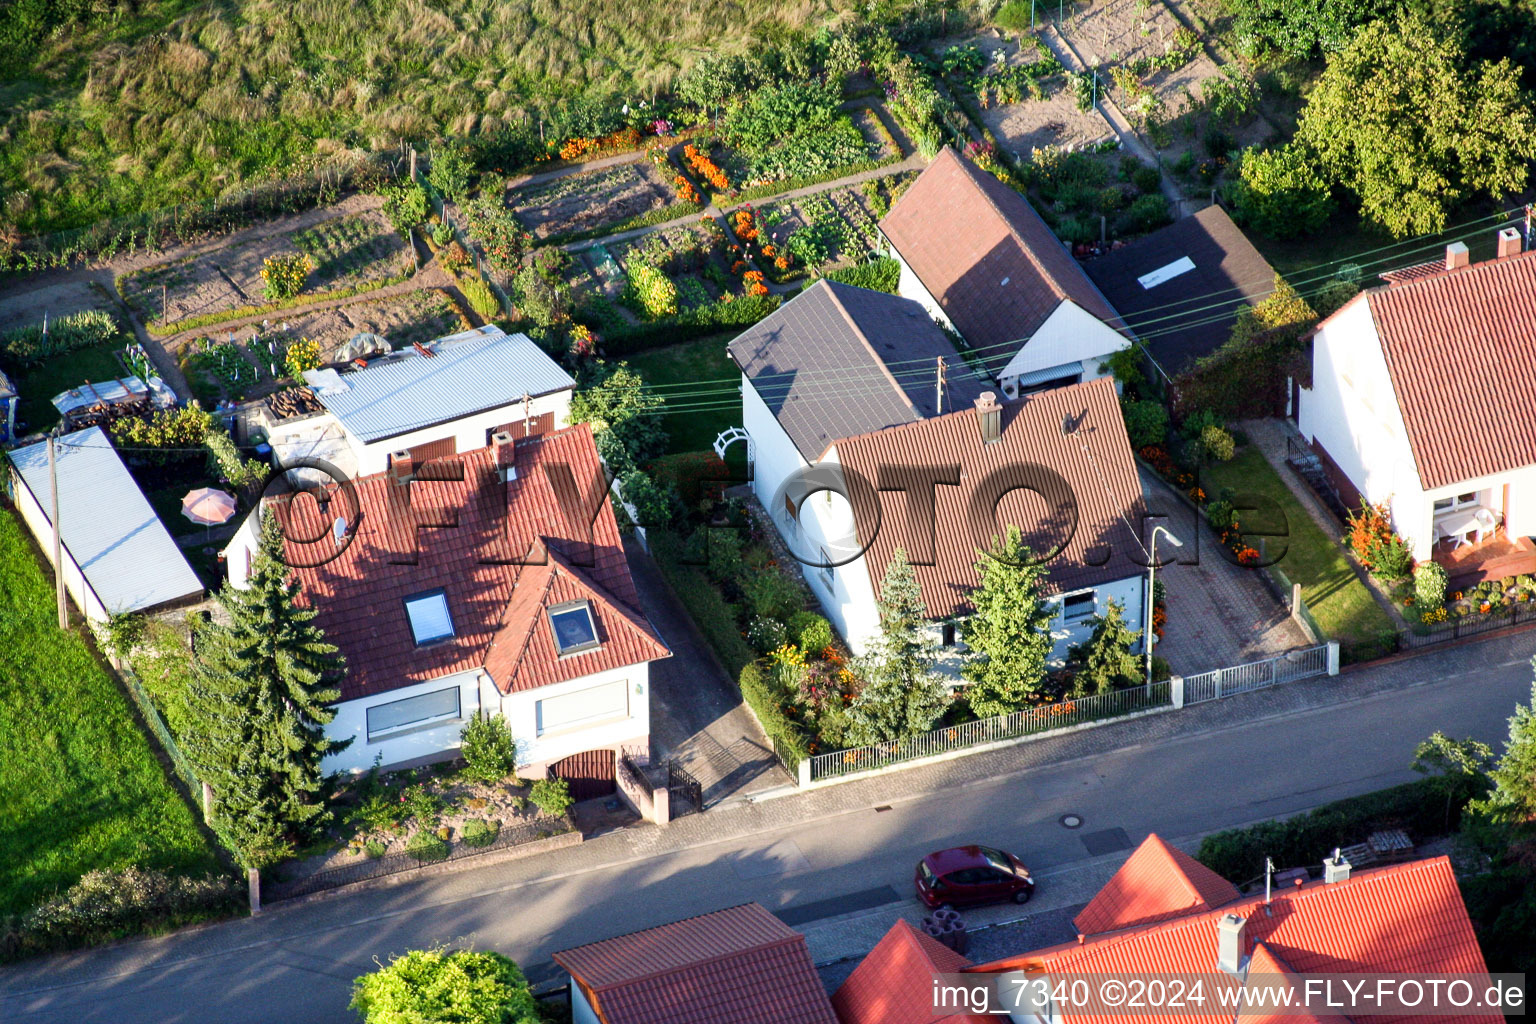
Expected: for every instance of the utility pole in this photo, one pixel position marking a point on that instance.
(58, 538)
(939, 383)
(526, 427)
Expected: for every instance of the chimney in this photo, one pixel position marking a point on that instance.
(1229, 943)
(989, 417)
(400, 467)
(1509, 242)
(1335, 868)
(505, 447)
(1456, 256)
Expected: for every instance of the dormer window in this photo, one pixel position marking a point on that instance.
(429, 618)
(573, 627)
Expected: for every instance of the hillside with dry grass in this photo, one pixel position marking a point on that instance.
(114, 107)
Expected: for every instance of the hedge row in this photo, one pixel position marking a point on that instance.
(717, 621)
(1306, 839)
(743, 311)
(881, 275)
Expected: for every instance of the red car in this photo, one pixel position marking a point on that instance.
(969, 875)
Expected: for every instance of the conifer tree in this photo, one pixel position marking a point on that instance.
(260, 693)
(1513, 800)
(902, 695)
(1104, 662)
(1009, 634)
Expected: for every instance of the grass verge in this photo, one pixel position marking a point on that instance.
(84, 790)
(702, 363)
(1342, 605)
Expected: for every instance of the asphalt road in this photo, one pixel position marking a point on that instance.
(296, 964)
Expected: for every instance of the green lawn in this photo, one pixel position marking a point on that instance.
(1341, 604)
(83, 789)
(715, 379)
(40, 383)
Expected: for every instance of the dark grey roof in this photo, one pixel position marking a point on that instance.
(1190, 314)
(837, 361)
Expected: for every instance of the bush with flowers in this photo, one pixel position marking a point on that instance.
(707, 170)
(283, 275)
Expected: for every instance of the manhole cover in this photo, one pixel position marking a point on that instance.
(1071, 821)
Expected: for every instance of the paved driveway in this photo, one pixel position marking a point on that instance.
(1219, 614)
(697, 715)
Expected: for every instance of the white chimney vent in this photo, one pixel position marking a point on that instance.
(1229, 943)
(1509, 242)
(989, 417)
(1335, 868)
(1456, 256)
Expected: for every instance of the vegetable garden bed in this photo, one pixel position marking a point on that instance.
(581, 202)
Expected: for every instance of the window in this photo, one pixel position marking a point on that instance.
(573, 627)
(1077, 607)
(949, 634)
(429, 617)
(608, 702)
(413, 712)
(826, 567)
(1452, 504)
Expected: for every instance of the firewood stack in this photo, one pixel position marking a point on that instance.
(103, 414)
(294, 402)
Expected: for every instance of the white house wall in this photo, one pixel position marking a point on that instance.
(351, 721)
(469, 433)
(1069, 335)
(1351, 412)
(774, 455)
(520, 710)
(75, 583)
(910, 286)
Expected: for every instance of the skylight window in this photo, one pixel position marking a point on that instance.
(573, 627)
(429, 617)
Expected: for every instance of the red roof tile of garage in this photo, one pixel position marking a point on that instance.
(1102, 478)
(893, 984)
(964, 234)
(1459, 347)
(1402, 919)
(1157, 882)
(736, 966)
(495, 606)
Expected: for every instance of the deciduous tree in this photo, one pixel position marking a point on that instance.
(439, 986)
(624, 414)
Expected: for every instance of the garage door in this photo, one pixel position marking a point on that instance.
(589, 773)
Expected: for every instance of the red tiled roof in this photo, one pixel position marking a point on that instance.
(1266, 964)
(892, 984)
(1102, 479)
(495, 608)
(1459, 346)
(736, 966)
(964, 233)
(1402, 919)
(1156, 883)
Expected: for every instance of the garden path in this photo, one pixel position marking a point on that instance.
(632, 157)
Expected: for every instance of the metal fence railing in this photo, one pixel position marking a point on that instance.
(1256, 675)
(1045, 718)
(162, 733)
(394, 863)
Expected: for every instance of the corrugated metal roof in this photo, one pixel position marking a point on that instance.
(837, 361)
(466, 373)
(127, 556)
(986, 257)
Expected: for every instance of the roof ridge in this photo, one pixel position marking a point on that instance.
(858, 332)
(972, 171)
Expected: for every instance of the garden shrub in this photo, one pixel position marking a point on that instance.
(1332, 296)
(488, 749)
(718, 550)
(743, 311)
(1014, 16)
(656, 505)
(426, 847)
(772, 594)
(450, 173)
(428, 986)
(375, 849)
(544, 301)
(551, 796)
(405, 206)
(1146, 421)
(1371, 538)
(650, 292)
(26, 346)
(1280, 193)
(811, 631)
(227, 462)
(1303, 841)
(762, 695)
(1217, 443)
(1148, 212)
(480, 297)
(1429, 582)
(302, 355)
(106, 905)
(455, 259)
(709, 611)
(879, 275)
(283, 275)
(167, 429)
(765, 634)
(481, 831)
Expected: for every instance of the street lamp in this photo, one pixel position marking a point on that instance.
(1146, 637)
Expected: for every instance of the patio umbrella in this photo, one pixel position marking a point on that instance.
(208, 506)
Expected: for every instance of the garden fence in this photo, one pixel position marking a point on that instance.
(394, 863)
(1304, 663)
(1256, 675)
(162, 733)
